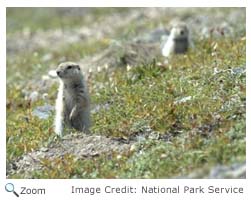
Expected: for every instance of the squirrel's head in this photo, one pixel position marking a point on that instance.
(68, 70)
(179, 31)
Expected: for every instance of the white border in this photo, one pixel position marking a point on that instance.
(125, 3)
(61, 187)
(2, 91)
(248, 85)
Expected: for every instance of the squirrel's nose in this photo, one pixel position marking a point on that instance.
(58, 73)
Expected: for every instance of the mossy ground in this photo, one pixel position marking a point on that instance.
(206, 129)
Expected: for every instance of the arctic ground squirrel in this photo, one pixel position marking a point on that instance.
(73, 101)
(178, 41)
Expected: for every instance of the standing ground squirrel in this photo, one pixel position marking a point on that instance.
(73, 102)
(178, 41)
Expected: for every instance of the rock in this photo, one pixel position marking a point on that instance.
(43, 112)
(52, 73)
(33, 96)
(234, 171)
(183, 100)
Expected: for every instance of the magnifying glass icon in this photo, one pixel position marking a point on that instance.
(10, 188)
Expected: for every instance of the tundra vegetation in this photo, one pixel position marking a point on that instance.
(164, 120)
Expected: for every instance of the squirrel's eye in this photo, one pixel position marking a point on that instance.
(69, 67)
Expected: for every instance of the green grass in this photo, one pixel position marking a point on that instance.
(206, 130)
(149, 93)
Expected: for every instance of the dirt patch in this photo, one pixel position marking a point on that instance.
(81, 146)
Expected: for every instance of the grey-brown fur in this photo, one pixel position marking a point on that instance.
(73, 102)
(178, 41)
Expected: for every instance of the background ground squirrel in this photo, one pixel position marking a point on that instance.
(73, 102)
(178, 41)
